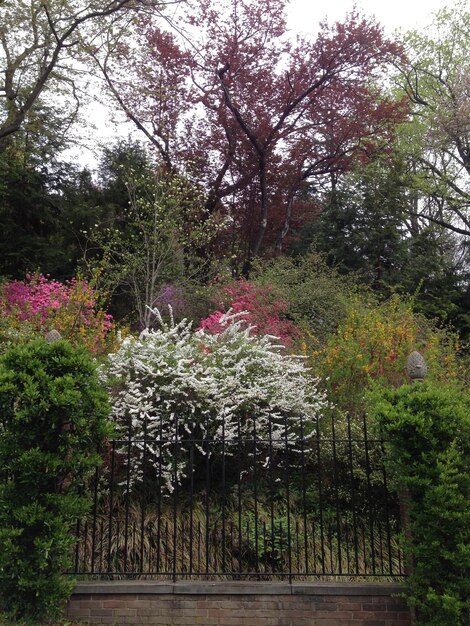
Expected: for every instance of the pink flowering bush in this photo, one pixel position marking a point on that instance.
(40, 304)
(263, 311)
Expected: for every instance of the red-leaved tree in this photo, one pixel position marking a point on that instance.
(255, 116)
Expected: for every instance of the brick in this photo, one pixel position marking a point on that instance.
(114, 604)
(400, 607)
(372, 606)
(350, 606)
(211, 604)
(76, 612)
(102, 612)
(124, 612)
(90, 604)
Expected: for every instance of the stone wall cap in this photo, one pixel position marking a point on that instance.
(315, 588)
(331, 588)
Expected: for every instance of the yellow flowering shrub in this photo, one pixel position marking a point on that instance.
(374, 342)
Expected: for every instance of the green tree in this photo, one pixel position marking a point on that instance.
(34, 227)
(362, 226)
(54, 415)
(318, 297)
(437, 140)
(367, 227)
(150, 232)
(427, 430)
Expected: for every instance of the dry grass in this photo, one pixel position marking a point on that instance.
(156, 543)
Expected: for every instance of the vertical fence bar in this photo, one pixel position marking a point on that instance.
(255, 495)
(183, 541)
(167, 544)
(143, 501)
(95, 512)
(85, 546)
(369, 495)
(287, 477)
(348, 561)
(159, 444)
(134, 547)
(128, 488)
(271, 486)
(239, 493)
(111, 503)
(77, 546)
(314, 569)
(232, 551)
(208, 451)
(191, 496)
(175, 498)
(387, 510)
(353, 495)
(101, 546)
(199, 552)
(304, 499)
(223, 498)
(335, 479)
(320, 498)
(118, 537)
(265, 552)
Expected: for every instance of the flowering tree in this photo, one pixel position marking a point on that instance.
(152, 242)
(71, 308)
(173, 384)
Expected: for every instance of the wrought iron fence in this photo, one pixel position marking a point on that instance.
(285, 503)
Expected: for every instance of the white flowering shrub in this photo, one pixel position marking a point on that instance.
(174, 386)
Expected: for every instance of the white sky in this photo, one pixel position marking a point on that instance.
(303, 16)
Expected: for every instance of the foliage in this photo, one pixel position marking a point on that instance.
(44, 304)
(317, 296)
(258, 306)
(35, 225)
(154, 236)
(436, 141)
(365, 227)
(374, 342)
(173, 381)
(252, 114)
(427, 430)
(54, 414)
(361, 225)
(40, 50)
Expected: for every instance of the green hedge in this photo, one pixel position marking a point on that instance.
(53, 415)
(427, 428)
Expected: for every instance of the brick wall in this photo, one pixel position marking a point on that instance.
(238, 604)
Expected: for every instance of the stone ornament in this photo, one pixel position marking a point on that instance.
(416, 366)
(53, 335)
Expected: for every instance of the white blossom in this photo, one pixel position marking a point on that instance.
(177, 384)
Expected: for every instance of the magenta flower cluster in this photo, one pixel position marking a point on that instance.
(70, 307)
(260, 308)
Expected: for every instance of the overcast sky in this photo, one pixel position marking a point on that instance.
(303, 16)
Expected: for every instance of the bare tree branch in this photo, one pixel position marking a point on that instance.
(17, 112)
